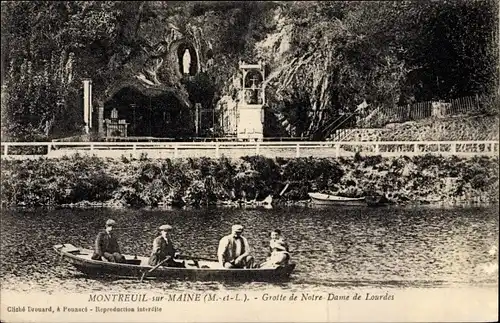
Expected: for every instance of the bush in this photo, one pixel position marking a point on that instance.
(204, 181)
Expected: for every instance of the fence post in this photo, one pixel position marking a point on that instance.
(91, 147)
(415, 148)
(297, 150)
(49, 148)
(377, 149)
(257, 149)
(337, 150)
(134, 147)
(217, 150)
(5, 148)
(454, 147)
(176, 153)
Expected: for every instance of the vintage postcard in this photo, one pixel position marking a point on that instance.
(249, 161)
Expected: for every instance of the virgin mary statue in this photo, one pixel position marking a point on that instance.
(186, 62)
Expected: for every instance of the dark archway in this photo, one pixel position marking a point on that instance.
(253, 87)
(253, 78)
(160, 116)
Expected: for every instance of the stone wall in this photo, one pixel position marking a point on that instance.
(361, 134)
(456, 128)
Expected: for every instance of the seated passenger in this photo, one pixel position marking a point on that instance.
(279, 252)
(106, 245)
(234, 250)
(163, 249)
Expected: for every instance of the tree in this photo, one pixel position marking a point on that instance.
(341, 54)
(51, 46)
(452, 47)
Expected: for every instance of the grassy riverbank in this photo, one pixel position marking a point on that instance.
(201, 181)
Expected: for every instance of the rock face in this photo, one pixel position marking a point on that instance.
(322, 59)
(168, 58)
(192, 56)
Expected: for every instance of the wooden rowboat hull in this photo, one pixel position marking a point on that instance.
(327, 199)
(135, 268)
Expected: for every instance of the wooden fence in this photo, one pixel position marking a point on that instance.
(22, 150)
(422, 110)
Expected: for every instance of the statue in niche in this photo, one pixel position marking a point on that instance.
(186, 61)
(252, 96)
(249, 97)
(114, 114)
(253, 84)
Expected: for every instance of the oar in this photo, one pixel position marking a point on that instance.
(309, 250)
(132, 228)
(186, 257)
(153, 269)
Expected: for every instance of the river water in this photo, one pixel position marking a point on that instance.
(340, 247)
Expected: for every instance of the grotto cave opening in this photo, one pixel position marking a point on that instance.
(159, 115)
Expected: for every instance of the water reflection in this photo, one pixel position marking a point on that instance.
(336, 247)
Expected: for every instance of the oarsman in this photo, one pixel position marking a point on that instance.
(234, 250)
(106, 245)
(163, 249)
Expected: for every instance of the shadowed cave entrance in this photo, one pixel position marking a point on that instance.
(160, 116)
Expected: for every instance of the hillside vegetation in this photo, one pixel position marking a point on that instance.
(322, 58)
(204, 181)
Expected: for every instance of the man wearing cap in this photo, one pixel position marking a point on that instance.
(234, 250)
(163, 249)
(106, 245)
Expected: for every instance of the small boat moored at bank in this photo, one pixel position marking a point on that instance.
(328, 199)
(196, 268)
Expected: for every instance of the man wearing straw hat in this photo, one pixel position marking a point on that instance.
(163, 249)
(106, 245)
(234, 250)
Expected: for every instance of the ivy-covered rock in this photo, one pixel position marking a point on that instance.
(322, 58)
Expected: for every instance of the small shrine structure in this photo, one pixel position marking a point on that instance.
(251, 102)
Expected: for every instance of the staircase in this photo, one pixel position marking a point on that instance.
(332, 130)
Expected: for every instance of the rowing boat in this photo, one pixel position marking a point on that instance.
(135, 267)
(328, 199)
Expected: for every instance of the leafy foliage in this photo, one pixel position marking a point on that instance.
(386, 53)
(323, 58)
(49, 47)
(204, 181)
